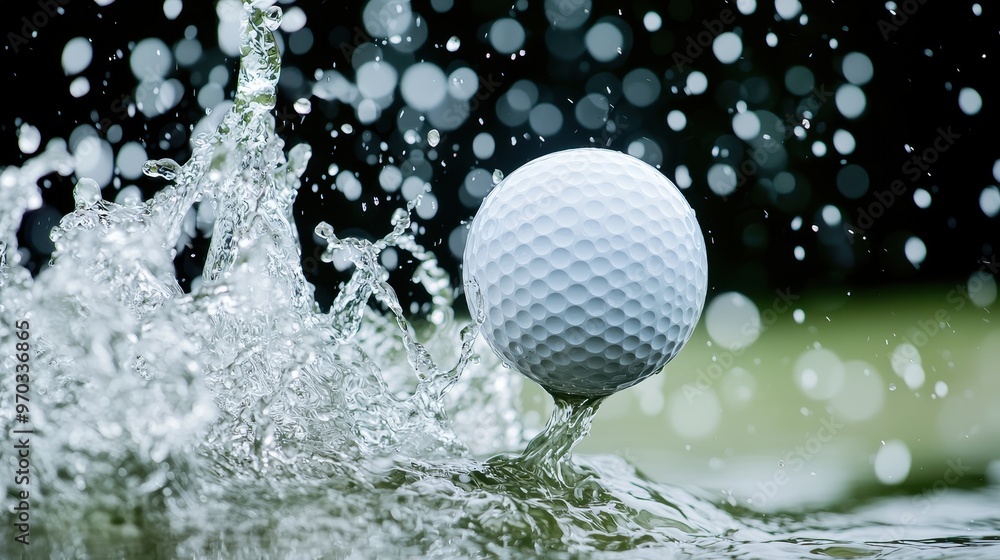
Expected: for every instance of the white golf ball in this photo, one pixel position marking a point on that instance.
(591, 269)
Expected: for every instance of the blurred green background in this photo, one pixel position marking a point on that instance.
(757, 425)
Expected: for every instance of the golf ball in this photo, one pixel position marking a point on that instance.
(590, 268)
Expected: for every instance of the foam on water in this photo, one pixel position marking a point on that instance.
(239, 420)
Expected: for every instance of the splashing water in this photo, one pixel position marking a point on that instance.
(240, 421)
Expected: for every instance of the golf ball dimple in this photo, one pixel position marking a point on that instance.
(591, 270)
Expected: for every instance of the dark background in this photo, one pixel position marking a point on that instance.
(751, 241)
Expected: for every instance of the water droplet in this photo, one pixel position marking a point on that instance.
(86, 192)
(166, 168)
(324, 230)
(28, 138)
(941, 389)
(303, 106)
(272, 18)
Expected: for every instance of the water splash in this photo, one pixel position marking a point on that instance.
(238, 420)
(184, 396)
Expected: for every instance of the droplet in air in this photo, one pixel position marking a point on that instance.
(77, 55)
(941, 389)
(915, 250)
(28, 139)
(857, 68)
(727, 47)
(989, 201)
(303, 106)
(86, 192)
(969, 101)
(733, 320)
(652, 21)
(604, 41)
(892, 462)
(850, 100)
(676, 120)
(506, 35)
